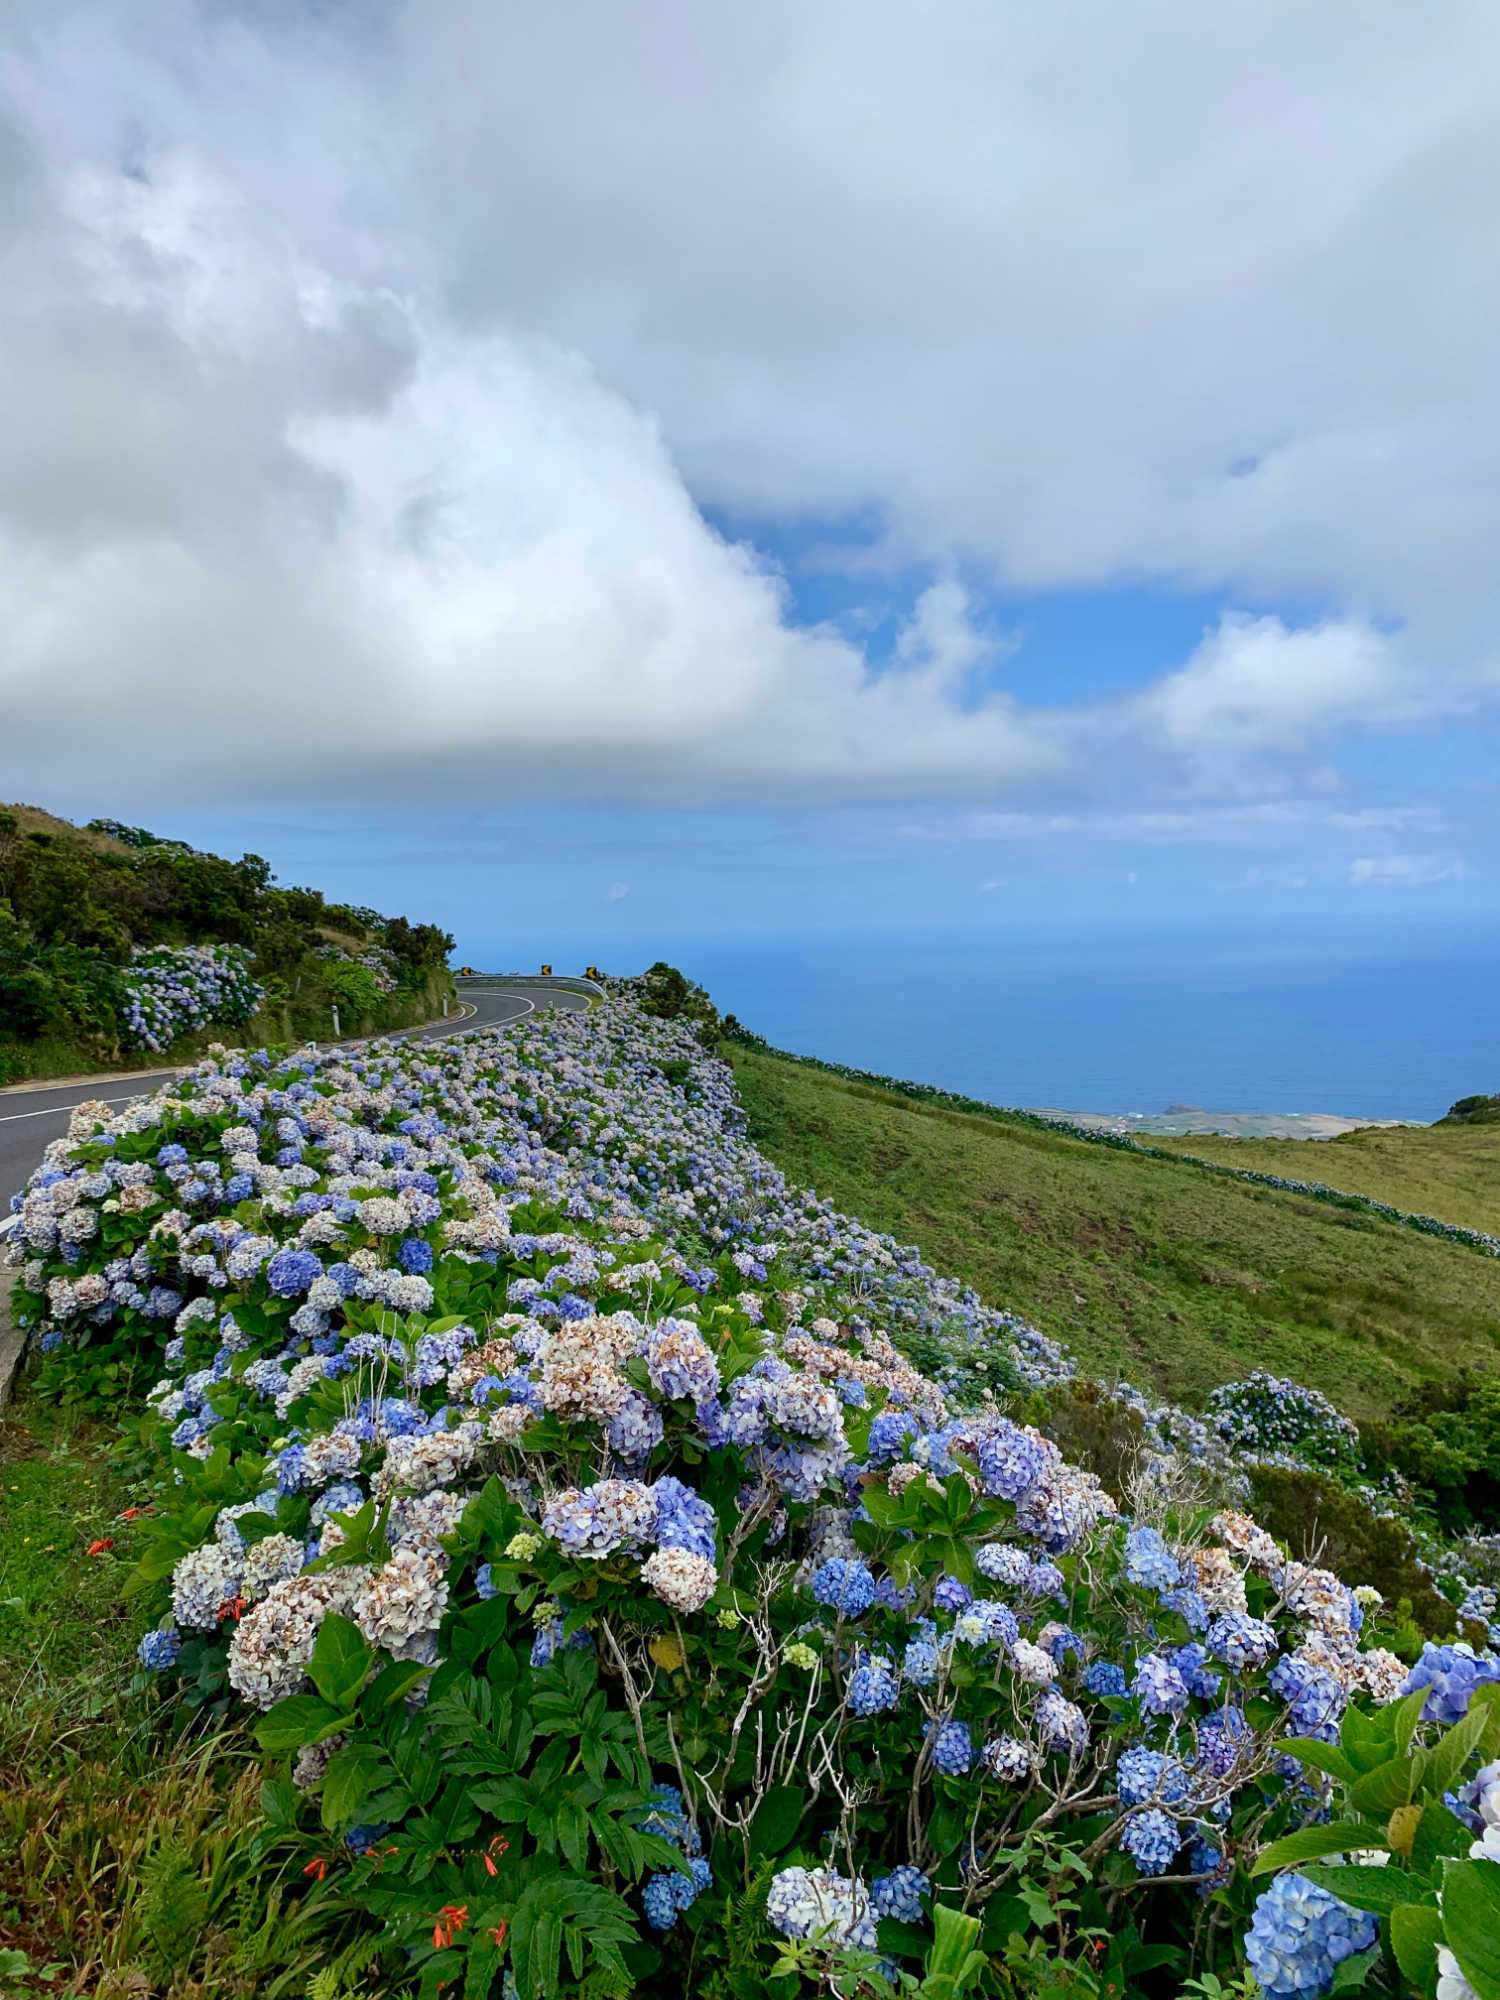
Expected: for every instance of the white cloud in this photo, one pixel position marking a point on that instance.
(1405, 871)
(363, 369)
(1255, 685)
(617, 892)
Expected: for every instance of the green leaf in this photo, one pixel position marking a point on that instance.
(1389, 1785)
(1416, 1933)
(390, 1684)
(1439, 1834)
(1321, 1756)
(341, 1662)
(1351, 1973)
(300, 1719)
(1377, 1890)
(1453, 1749)
(1338, 1837)
(346, 1785)
(1401, 1718)
(1471, 1921)
(777, 1820)
(1367, 1742)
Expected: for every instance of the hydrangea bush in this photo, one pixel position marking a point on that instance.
(556, 1486)
(1268, 1417)
(170, 991)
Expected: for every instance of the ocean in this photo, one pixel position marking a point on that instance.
(1353, 1019)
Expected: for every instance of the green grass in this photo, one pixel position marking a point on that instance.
(128, 1867)
(1145, 1268)
(1450, 1171)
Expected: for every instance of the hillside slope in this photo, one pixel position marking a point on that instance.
(1164, 1274)
(1452, 1171)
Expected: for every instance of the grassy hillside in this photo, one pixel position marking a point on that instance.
(1452, 1171)
(1145, 1268)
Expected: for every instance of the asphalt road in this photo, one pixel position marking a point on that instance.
(30, 1117)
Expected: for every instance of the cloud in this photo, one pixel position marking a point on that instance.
(617, 892)
(368, 371)
(1404, 871)
(1255, 685)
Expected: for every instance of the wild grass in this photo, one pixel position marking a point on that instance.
(135, 1859)
(1451, 1171)
(1147, 1269)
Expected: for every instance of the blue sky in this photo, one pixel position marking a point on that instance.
(799, 470)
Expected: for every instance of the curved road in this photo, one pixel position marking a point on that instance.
(31, 1115)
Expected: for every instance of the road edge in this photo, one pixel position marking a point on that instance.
(12, 1339)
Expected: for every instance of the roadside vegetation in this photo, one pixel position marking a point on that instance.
(120, 947)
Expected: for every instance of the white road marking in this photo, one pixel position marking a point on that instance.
(62, 1110)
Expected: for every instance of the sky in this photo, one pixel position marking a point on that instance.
(618, 472)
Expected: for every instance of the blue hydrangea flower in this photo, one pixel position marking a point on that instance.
(684, 1520)
(873, 1686)
(889, 1434)
(291, 1271)
(1151, 1839)
(951, 1595)
(919, 1663)
(1103, 1677)
(899, 1894)
(1300, 1935)
(1143, 1774)
(158, 1650)
(667, 1894)
(845, 1586)
(1158, 1686)
(952, 1748)
(1010, 1463)
(1149, 1563)
(1188, 1605)
(1045, 1579)
(1191, 1661)
(1451, 1673)
(1241, 1641)
(414, 1256)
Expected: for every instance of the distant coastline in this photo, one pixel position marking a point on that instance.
(1185, 1120)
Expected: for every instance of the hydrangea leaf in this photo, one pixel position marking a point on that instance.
(1416, 1933)
(1339, 1836)
(341, 1661)
(1378, 1890)
(1471, 1922)
(777, 1819)
(1321, 1756)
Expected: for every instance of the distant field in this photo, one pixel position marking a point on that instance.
(1451, 1171)
(1158, 1272)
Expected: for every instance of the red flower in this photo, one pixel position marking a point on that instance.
(98, 1548)
(442, 1933)
(318, 1868)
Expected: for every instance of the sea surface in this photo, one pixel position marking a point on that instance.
(1353, 1019)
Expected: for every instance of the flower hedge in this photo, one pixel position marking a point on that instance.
(555, 1484)
(169, 991)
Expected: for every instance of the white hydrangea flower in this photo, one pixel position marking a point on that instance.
(684, 1581)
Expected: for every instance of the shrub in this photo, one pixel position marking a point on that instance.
(637, 1619)
(1311, 1512)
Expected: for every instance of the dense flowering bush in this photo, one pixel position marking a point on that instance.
(1269, 1417)
(361, 977)
(169, 991)
(553, 1481)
